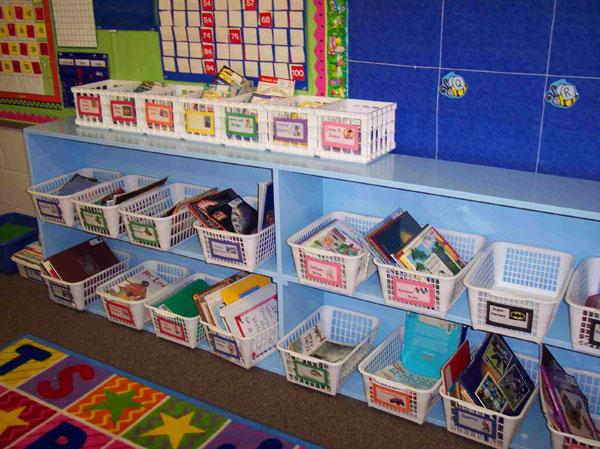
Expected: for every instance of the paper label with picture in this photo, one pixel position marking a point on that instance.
(49, 210)
(411, 292)
(244, 125)
(200, 122)
(171, 329)
(391, 398)
(474, 422)
(317, 375)
(89, 106)
(93, 219)
(290, 130)
(159, 114)
(340, 135)
(225, 346)
(225, 250)
(322, 271)
(143, 233)
(119, 312)
(509, 317)
(123, 110)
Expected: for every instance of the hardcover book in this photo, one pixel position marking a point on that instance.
(182, 302)
(139, 286)
(200, 298)
(252, 313)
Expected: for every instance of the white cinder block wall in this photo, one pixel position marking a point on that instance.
(14, 172)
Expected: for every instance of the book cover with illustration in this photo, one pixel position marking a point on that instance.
(226, 210)
(332, 351)
(391, 235)
(337, 238)
(200, 298)
(252, 313)
(431, 253)
(396, 372)
(266, 205)
(139, 286)
(76, 184)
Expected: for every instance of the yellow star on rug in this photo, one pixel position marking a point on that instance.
(174, 428)
(8, 419)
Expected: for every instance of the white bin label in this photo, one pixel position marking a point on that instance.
(595, 332)
(171, 329)
(225, 346)
(417, 293)
(243, 125)
(61, 292)
(310, 373)
(321, 271)
(225, 250)
(475, 423)
(340, 135)
(89, 106)
(49, 210)
(509, 317)
(391, 398)
(143, 233)
(119, 312)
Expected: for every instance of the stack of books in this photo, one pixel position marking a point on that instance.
(119, 195)
(31, 253)
(227, 83)
(399, 240)
(81, 261)
(567, 408)
(337, 237)
(493, 379)
(138, 287)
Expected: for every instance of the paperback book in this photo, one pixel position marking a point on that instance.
(225, 210)
(266, 205)
(396, 372)
(182, 302)
(200, 298)
(76, 184)
(139, 286)
(332, 351)
(339, 238)
(252, 313)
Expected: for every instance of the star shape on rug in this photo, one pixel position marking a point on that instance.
(116, 403)
(8, 419)
(174, 428)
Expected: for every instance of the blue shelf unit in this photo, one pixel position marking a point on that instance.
(503, 205)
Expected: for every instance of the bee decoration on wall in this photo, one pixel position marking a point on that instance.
(453, 86)
(562, 94)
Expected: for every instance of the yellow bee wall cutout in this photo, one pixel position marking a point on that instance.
(562, 94)
(453, 86)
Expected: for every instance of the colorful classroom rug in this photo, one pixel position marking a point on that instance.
(53, 398)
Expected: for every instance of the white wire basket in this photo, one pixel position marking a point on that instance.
(105, 220)
(585, 321)
(291, 123)
(515, 289)
(243, 124)
(163, 110)
(29, 270)
(187, 331)
(486, 426)
(92, 106)
(337, 324)
(241, 251)
(146, 224)
(425, 292)
(133, 313)
(328, 270)
(355, 130)
(588, 382)
(59, 209)
(199, 118)
(393, 397)
(243, 351)
(79, 295)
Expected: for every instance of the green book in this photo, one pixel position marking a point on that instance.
(10, 231)
(182, 302)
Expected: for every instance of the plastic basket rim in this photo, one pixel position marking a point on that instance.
(237, 337)
(193, 277)
(467, 268)
(376, 323)
(59, 197)
(26, 264)
(127, 258)
(377, 350)
(104, 295)
(153, 192)
(277, 103)
(557, 298)
(94, 85)
(568, 300)
(584, 440)
(115, 206)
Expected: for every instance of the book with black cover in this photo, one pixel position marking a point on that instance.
(76, 184)
(126, 196)
(226, 210)
(266, 205)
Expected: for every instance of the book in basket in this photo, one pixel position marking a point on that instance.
(337, 237)
(225, 210)
(314, 344)
(252, 313)
(139, 286)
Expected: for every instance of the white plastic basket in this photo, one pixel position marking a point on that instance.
(144, 216)
(585, 321)
(328, 270)
(243, 351)
(515, 289)
(337, 324)
(187, 331)
(29, 270)
(163, 110)
(125, 108)
(486, 426)
(588, 383)
(133, 313)
(199, 118)
(355, 130)
(291, 128)
(92, 106)
(243, 124)
(79, 295)
(241, 251)
(393, 397)
(105, 220)
(59, 209)
(429, 293)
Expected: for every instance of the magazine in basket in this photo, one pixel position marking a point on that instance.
(312, 343)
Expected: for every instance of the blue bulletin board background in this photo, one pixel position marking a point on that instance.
(124, 15)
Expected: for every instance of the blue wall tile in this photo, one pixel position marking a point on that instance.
(398, 32)
(570, 143)
(496, 123)
(414, 91)
(576, 38)
(500, 35)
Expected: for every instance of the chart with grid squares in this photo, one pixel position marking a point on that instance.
(28, 74)
(253, 37)
(74, 23)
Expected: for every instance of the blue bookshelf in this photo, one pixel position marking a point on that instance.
(504, 205)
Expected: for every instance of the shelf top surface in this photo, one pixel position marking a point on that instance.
(545, 193)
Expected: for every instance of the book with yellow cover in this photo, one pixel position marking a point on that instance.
(243, 287)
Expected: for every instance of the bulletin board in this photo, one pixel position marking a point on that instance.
(253, 37)
(28, 74)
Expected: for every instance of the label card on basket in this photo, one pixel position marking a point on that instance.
(119, 312)
(225, 346)
(391, 398)
(143, 233)
(89, 106)
(61, 292)
(159, 114)
(94, 220)
(595, 332)
(225, 250)
(509, 317)
(340, 135)
(200, 122)
(171, 329)
(34, 275)
(411, 292)
(123, 111)
(474, 422)
(243, 125)
(322, 271)
(290, 130)
(310, 373)
(49, 210)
